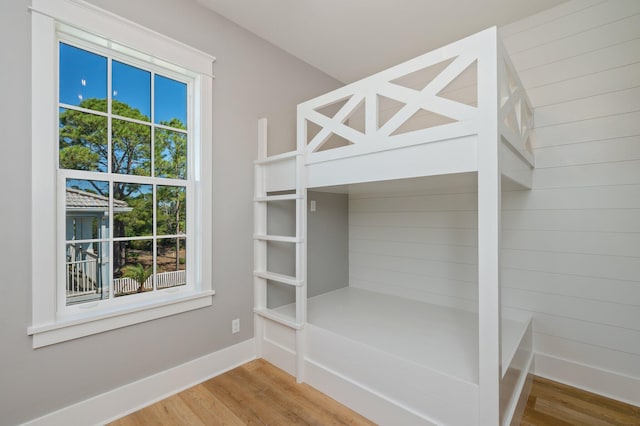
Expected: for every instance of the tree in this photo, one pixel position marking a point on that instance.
(84, 140)
(139, 274)
(83, 145)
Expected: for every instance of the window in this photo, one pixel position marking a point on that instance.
(123, 161)
(121, 181)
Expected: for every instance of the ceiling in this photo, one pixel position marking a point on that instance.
(350, 39)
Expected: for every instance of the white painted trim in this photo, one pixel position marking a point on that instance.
(489, 210)
(74, 327)
(521, 394)
(107, 25)
(131, 397)
(592, 379)
(52, 322)
(360, 398)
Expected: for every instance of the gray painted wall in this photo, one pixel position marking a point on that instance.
(328, 243)
(327, 246)
(253, 79)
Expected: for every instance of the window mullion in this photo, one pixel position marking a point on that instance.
(155, 237)
(109, 116)
(154, 245)
(153, 127)
(110, 176)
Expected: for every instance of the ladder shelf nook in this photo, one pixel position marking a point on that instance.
(261, 237)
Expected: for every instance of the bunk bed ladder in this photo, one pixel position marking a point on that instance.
(261, 239)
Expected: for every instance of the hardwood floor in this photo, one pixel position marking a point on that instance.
(552, 403)
(258, 393)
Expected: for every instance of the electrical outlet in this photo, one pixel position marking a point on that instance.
(235, 325)
(312, 205)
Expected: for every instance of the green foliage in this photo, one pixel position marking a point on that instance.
(138, 273)
(171, 152)
(171, 212)
(84, 138)
(84, 145)
(139, 221)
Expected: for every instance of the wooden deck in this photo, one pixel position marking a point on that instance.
(258, 393)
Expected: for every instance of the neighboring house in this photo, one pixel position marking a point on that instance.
(87, 218)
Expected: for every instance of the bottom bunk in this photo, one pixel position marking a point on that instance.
(396, 360)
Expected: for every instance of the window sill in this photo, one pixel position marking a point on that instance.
(85, 324)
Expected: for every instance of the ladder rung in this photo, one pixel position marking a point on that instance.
(281, 278)
(283, 197)
(279, 318)
(276, 158)
(278, 238)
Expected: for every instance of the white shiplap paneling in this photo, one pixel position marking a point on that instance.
(571, 253)
(597, 38)
(592, 152)
(571, 245)
(591, 62)
(598, 83)
(417, 245)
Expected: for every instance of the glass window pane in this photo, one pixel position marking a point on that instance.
(87, 209)
(170, 154)
(83, 78)
(132, 210)
(87, 270)
(83, 141)
(131, 150)
(171, 262)
(131, 91)
(132, 267)
(170, 102)
(172, 210)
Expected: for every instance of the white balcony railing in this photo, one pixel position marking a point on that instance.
(122, 286)
(82, 276)
(82, 279)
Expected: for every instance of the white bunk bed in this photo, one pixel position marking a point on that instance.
(460, 109)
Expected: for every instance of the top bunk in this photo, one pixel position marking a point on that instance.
(460, 108)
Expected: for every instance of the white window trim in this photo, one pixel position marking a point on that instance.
(48, 325)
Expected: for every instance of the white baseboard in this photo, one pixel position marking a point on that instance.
(131, 397)
(592, 379)
(119, 402)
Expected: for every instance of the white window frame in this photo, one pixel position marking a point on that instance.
(51, 321)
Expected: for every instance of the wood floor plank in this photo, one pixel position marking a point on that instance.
(270, 408)
(258, 393)
(571, 403)
(279, 400)
(337, 410)
(303, 403)
(551, 402)
(221, 387)
(209, 409)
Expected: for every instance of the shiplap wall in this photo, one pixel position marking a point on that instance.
(420, 244)
(571, 246)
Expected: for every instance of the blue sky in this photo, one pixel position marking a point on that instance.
(83, 75)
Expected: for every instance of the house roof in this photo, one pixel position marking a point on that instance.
(77, 199)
